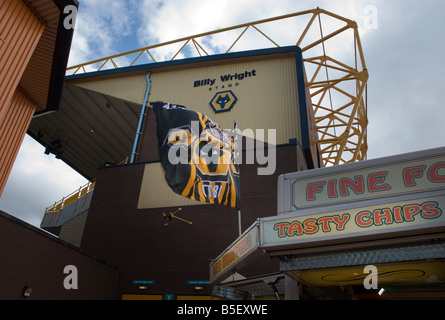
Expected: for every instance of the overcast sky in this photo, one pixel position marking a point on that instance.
(403, 52)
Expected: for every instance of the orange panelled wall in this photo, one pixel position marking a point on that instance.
(20, 31)
(13, 128)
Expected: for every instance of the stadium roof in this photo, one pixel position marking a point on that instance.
(98, 116)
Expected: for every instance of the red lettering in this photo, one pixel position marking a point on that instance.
(310, 226)
(397, 213)
(295, 228)
(376, 182)
(430, 210)
(242, 247)
(410, 211)
(409, 174)
(313, 188)
(281, 227)
(433, 174)
(356, 186)
(332, 191)
(228, 258)
(384, 214)
(341, 222)
(363, 219)
(324, 222)
(217, 267)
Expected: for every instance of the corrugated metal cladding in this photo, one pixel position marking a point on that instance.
(266, 89)
(20, 31)
(12, 131)
(91, 127)
(36, 78)
(155, 192)
(130, 88)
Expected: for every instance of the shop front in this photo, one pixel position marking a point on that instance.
(373, 229)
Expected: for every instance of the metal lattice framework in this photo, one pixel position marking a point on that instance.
(334, 65)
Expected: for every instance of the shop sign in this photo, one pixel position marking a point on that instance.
(415, 216)
(384, 178)
(239, 250)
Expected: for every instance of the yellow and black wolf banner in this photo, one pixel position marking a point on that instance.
(198, 157)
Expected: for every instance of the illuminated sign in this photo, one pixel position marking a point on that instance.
(411, 174)
(355, 203)
(415, 216)
(374, 199)
(240, 249)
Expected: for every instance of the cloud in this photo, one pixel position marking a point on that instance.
(109, 27)
(36, 181)
(163, 21)
(101, 27)
(404, 58)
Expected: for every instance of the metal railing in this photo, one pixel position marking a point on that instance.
(78, 197)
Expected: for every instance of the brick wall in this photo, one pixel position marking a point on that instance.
(30, 257)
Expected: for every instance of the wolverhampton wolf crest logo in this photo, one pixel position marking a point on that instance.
(223, 101)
